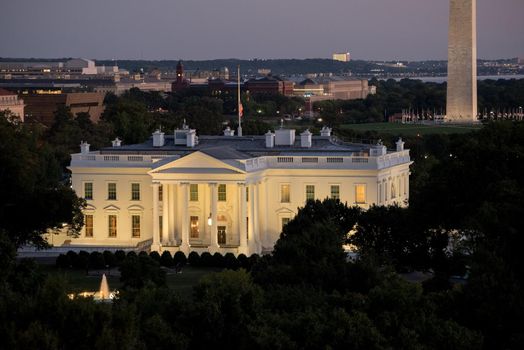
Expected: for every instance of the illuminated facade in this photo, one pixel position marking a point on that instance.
(9, 102)
(180, 192)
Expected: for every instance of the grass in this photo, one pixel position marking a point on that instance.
(78, 281)
(411, 129)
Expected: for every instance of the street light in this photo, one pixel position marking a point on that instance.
(210, 220)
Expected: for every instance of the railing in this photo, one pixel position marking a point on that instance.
(343, 162)
(116, 158)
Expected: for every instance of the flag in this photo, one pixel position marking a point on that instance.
(240, 109)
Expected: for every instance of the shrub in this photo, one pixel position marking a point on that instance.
(143, 254)
(120, 255)
(206, 259)
(243, 261)
(180, 258)
(63, 261)
(72, 256)
(131, 254)
(194, 259)
(253, 260)
(110, 258)
(231, 262)
(218, 260)
(96, 261)
(166, 259)
(155, 256)
(81, 261)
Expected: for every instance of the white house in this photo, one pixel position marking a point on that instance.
(224, 193)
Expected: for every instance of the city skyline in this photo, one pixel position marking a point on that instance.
(204, 29)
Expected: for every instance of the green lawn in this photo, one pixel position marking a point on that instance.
(78, 281)
(412, 129)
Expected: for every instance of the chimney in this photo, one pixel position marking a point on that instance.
(306, 139)
(284, 137)
(116, 142)
(191, 140)
(229, 132)
(400, 145)
(325, 131)
(158, 138)
(270, 139)
(84, 147)
(378, 150)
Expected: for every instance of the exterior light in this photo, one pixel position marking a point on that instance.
(210, 220)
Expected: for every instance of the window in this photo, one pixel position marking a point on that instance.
(393, 190)
(135, 225)
(88, 221)
(221, 231)
(112, 225)
(335, 192)
(160, 225)
(88, 190)
(360, 194)
(222, 194)
(160, 193)
(193, 192)
(285, 221)
(284, 193)
(135, 192)
(310, 192)
(111, 191)
(194, 226)
(247, 194)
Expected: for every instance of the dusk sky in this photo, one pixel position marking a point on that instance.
(206, 29)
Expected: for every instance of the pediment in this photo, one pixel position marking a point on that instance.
(284, 210)
(197, 162)
(135, 207)
(89, 207)
(111, 207)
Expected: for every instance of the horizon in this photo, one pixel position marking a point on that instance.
(407, 30)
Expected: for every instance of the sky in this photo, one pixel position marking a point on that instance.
(246, 29)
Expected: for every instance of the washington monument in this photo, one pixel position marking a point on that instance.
(462, 62)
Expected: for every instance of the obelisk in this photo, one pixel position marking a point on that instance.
(462, 62)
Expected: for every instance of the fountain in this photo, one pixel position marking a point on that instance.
(104, 293)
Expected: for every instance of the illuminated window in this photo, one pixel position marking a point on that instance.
(284, 222)
(285, 193)
(194, 227)
(310, 193)
(88, 221)
(135, 224)
(360, 194)
(88, 190)
(222, 197)
(161, 193)
(335, 192)
(111, 191)
(112, 225)
(221, 232)
(135, 192)
(193, 192)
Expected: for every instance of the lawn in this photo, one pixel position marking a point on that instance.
(78, 281)
(411, 129)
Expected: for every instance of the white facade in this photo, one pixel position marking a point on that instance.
(224, 193)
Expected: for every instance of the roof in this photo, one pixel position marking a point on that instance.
(4, 92)
(231, 149)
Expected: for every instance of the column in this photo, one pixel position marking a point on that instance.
(185, 216)
(251, 235)
(165, 213)
(172, 208)
(213, 212)
(156, 234)
(256, 211)
(242, 213)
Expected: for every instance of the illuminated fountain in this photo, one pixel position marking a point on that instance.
(103, 294)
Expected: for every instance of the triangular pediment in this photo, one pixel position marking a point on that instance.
(111, 207)
(197, 162)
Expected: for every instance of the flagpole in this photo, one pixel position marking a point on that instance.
(239, 103)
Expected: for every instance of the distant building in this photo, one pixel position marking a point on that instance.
(63, 70)
(520, 60)
(270, 85)
(40, 107)
(181, 83)
(333, 88)
(9, 102)
(342, 56)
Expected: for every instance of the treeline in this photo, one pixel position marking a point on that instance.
(418, 97)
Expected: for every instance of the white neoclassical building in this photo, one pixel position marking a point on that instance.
(224, 193)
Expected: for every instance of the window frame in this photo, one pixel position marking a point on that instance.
(89, 230)
(86, 197)
(331, 187)
(110, 229)
(308, 194)
(109, 192)
(222, 192)
(191, 227)
(193, 195)
(285, 198)
(135, 193)
(357, 186)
